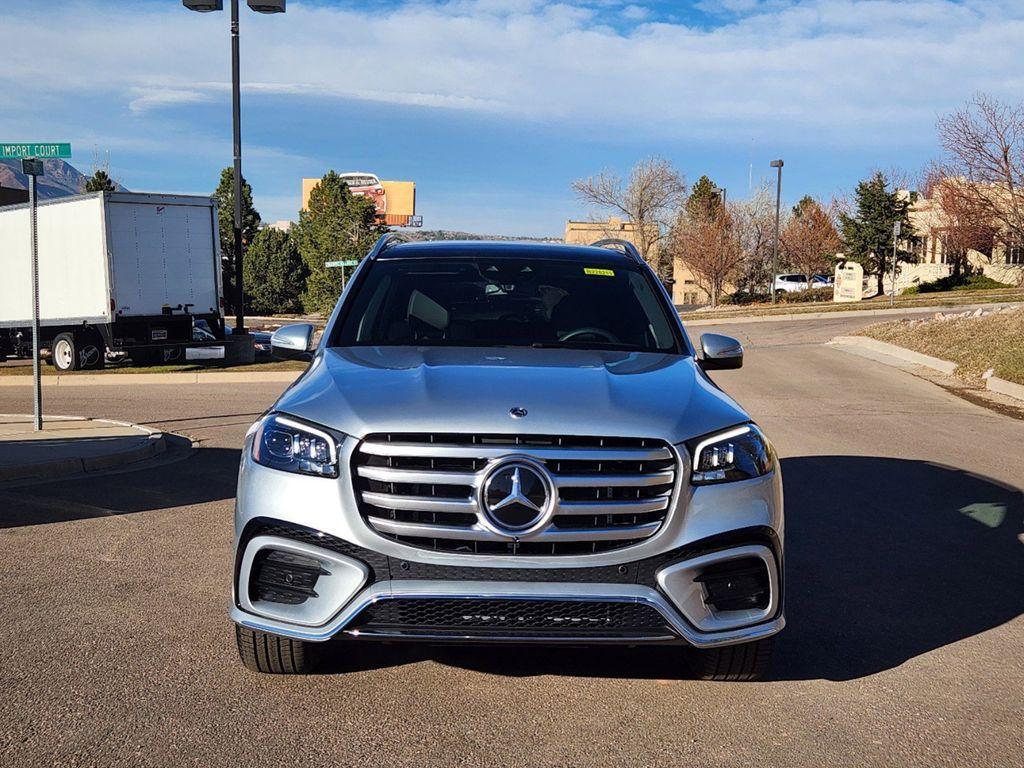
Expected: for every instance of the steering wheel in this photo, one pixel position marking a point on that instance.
(590, 331)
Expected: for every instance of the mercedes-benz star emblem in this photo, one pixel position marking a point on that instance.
(516, 412)
(516, 496)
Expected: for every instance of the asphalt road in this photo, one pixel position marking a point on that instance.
(905, 559)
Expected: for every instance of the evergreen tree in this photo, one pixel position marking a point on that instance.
(705, 200)
(867, 235)
(225, 196)
(335, 226)
(100, 182)
(275, 274)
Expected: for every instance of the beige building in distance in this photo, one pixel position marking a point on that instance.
(1006, 264)
(685, 289)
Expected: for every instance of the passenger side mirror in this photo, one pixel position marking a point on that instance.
(293, 342)
(720, 352)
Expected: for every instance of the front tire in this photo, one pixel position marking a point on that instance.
(264, 652)
(733, 663)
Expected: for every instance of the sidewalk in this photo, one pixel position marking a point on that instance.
(71, 445)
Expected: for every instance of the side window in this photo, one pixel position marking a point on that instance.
(364, 332)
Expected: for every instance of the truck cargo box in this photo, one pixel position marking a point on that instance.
(109, 256)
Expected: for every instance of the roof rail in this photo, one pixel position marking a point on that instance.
(385, 241)
(623, 245)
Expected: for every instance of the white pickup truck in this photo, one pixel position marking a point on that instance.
(118, 272)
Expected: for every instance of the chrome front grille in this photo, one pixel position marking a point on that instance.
(426, 490)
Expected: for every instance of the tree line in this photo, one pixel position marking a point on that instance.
(284, 271)
(976, 193)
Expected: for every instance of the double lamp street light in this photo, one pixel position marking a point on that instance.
(260, 6)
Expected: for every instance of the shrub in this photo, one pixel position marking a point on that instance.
(740, 298)
(811, 294)
(960, 283)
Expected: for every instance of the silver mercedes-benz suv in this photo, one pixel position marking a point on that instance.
(507, 442)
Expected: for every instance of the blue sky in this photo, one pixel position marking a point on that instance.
(494, 106)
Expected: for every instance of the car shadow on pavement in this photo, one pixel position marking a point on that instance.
(181, 477)
(886, 559)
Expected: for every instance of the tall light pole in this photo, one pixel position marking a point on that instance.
(777, 164)
(260, 6)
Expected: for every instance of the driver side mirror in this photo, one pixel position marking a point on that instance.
(293, 342)
(720, 352)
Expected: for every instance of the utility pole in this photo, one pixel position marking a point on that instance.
(777, 164)
(895, 239)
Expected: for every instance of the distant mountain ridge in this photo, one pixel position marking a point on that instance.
(60, 180)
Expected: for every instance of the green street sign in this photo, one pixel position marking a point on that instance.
(41, 150)
(346, 263)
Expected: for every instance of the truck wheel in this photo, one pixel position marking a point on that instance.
(733, 663)
(64, 352)
(263, 652)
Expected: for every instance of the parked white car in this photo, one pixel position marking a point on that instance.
(792, 283)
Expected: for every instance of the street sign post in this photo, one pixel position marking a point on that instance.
(343, 263)
(895, 240)
(32, 155)
(33, 169)
(36, 150)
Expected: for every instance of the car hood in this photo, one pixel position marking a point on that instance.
(363, 390)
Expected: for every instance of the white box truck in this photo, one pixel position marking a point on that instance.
(118, 272)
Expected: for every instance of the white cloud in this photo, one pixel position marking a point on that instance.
(151, 98)
(635, 12)
(819, 70)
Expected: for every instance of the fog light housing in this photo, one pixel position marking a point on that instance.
(284, 577)
(736, 585)
(295, 582)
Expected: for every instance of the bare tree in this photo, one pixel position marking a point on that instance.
(984, 141)
(754, 224)
(960, 220)
(810, 240)
(711, 247)
(649, 199)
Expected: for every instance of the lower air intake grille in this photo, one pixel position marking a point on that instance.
(516, 617)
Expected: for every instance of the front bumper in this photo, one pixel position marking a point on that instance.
(655, 600)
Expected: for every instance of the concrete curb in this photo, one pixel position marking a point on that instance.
(59, 468)
(881, 348)
(1004, 387)
(839, 314)
(113, 379)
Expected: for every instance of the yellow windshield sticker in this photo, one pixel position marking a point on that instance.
(596, 271)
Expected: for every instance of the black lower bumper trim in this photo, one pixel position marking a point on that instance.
(384, 567)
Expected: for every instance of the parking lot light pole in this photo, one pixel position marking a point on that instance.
(261, 6)
(777, 164)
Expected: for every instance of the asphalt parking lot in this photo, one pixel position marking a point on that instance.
(905, 557)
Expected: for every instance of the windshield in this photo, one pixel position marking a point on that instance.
(493, 301)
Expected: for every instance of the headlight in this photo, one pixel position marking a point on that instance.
(738, 454)
(284, 443)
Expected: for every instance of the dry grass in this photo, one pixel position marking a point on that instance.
(975, 344)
